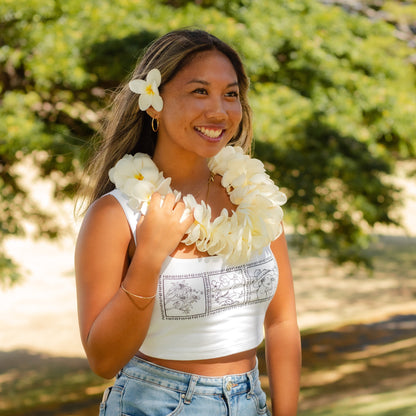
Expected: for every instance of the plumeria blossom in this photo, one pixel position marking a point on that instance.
(138, 177)
(236, 236)
(148, 90)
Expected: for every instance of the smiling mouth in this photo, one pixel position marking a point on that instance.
(211, 133)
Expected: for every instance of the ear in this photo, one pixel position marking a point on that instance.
(152, 112)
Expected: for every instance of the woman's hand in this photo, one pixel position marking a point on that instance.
(161, 229)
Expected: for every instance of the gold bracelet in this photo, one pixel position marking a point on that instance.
(136, 296)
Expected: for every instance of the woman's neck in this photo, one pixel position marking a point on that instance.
(188, 175)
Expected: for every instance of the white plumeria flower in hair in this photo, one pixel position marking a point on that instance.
(148, 90)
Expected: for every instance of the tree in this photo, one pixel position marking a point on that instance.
(333, 96)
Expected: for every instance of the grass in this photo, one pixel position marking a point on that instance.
(370, 378)
(396, 403)
(38, 384)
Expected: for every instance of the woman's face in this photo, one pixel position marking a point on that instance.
(202, 109)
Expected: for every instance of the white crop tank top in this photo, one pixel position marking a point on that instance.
(205, 309)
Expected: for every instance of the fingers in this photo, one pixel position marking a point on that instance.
(160, 201)
(165, 223)
(169, 202)
(155, 200)
(170, 205)
(181, 214)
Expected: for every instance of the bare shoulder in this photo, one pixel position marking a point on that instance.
(105, 218)
(279, 246)
(103, 243)
(107, 205)
(281, 254)
(106, 208)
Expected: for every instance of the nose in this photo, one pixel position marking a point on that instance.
(216, 109)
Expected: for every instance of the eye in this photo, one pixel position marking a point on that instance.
(202, 91)
(232, 94)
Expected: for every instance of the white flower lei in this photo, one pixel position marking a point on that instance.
(251, 227)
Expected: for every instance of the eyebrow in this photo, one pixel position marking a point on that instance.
(203, 82)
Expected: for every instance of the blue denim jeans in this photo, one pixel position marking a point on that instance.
(142, 388)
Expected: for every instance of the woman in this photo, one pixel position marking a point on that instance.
(177, 272)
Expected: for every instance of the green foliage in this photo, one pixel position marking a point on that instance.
(330, 118)
(333, 96)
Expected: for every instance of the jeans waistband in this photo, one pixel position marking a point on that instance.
(188, 383)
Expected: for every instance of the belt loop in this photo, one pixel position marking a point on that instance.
(251, 381)
(191, 388)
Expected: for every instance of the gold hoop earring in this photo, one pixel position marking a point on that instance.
(155, 124)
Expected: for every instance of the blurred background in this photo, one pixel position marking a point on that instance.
(333, 90)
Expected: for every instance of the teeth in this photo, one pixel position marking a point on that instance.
(213, 133)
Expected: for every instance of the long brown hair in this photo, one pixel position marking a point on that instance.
(128, 130)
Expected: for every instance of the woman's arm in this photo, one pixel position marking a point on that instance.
(283, 349)
(113, 324)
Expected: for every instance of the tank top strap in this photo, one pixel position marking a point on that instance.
(131, 215)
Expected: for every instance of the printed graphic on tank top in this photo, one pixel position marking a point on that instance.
(188, 296)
